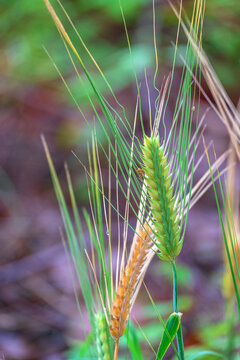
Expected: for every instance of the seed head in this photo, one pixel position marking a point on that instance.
(161, 198)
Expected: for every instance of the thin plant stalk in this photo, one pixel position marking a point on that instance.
(116, 349)
(175, 307)
(232, 197)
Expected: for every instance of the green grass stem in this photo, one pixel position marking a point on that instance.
(175, 307)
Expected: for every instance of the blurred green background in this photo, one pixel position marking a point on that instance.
(26, 27)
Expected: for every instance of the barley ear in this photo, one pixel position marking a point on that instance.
(103, 352)
(140, 256)
(162, 199)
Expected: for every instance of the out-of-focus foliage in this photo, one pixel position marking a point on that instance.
(111, 8)
(25, 27)
(222, 39)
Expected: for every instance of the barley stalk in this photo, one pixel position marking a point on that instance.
(129, 281)
(162, 199)
(232, 232)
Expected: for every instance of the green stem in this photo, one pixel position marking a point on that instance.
(175, 306)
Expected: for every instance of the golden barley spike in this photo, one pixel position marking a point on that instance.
(130, 279)
(161, 198)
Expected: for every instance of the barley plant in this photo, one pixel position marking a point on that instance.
(154, 172)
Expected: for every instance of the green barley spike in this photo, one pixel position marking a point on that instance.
(103, 352)
(162, 199)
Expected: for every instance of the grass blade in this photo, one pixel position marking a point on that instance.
(169, 334)
(205, 354)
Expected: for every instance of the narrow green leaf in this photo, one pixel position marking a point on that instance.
(169, 334)
(133, 342)
(76, 255)
(231, 231)
(205, 355)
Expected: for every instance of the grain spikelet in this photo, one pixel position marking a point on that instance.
(162, 199)
(101, 337)
(139, 258)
